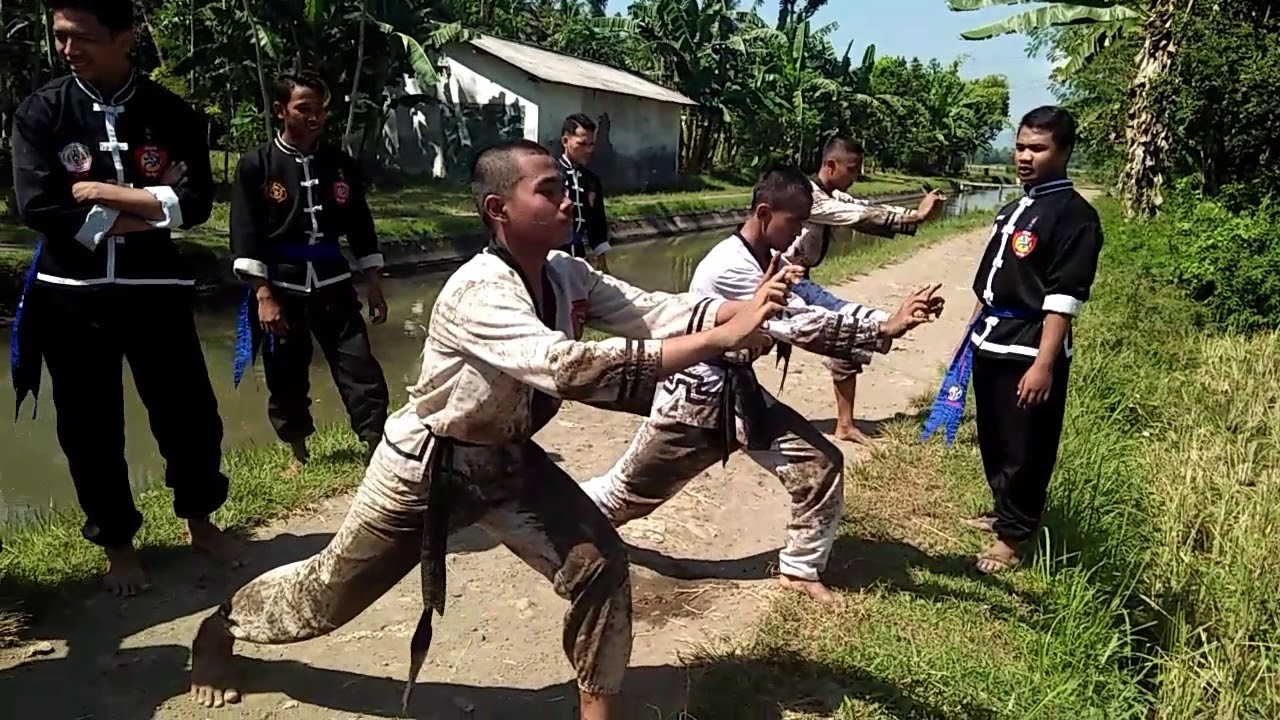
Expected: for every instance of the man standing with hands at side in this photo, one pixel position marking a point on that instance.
(293, 198)
(1033, 280)
(589, 233)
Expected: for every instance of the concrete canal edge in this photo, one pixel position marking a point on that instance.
(212, 266)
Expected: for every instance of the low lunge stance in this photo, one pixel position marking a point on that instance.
(835, 216)
(701, 415)
(293, 198)
(502, 352)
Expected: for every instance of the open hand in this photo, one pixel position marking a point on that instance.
(920, 307)
(930, 205)
(1033, 388)
(778, 279)
(377, 303)
(270, 316)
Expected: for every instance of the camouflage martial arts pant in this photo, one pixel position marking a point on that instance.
(666, 454)
(515, 493)
(842, 370)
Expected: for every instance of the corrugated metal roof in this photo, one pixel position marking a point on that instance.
(554, 67)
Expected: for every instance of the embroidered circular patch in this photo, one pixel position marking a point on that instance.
(75, 158)
(1023, 242)
(276, 191)
(341, 191)
(954, 392)
(151, 160)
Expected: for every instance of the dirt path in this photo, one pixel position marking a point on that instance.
(701, 570)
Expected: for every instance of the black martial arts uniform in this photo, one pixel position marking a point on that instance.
(94, 298)
(288, 210)
(1042, 258)
(590, 229)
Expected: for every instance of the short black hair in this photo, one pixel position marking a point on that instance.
(575, 121)
(1055, 120)
(115, 15)
(842, 144)
(495, 170)
(782, 186)
(290, 80)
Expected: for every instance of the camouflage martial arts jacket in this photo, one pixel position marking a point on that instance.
(731, 272)
(495, 368)
(834, 218)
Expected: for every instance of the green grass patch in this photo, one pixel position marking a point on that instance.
(47, 559)
(1154, 591)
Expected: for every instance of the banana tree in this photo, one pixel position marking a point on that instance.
(1147, 134)
(1106, 20)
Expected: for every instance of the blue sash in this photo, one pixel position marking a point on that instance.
(25, 367)
(948, 405)
(246, 342)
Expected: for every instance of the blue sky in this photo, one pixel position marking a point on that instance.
(926, 28)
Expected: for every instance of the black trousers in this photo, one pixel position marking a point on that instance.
(1019, 445)
(84, 334)
(332, 315)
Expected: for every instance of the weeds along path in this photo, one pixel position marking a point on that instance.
(702, 571)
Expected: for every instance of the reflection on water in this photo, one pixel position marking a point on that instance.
(33, 471)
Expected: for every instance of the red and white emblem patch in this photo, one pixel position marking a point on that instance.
(152, 160)
(76, 158)
(1023, 242)
(341, 192)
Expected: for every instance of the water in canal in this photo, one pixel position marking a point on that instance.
(33, 471)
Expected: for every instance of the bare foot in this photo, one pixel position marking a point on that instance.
(982, 523)
(208, 539)
(124, 577)
(1000, 557)
(211, 659)
(852, 434)
(813, 588)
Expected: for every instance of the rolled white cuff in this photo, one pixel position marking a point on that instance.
(600, 249)
(169, 203)
(248, 266)
(1064, 304)
(368, 262)
(96, 226)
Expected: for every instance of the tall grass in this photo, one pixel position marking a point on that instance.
(1156, 589)
(1168, 485)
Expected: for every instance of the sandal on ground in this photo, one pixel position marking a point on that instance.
(989, 563)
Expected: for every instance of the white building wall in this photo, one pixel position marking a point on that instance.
(482, 98)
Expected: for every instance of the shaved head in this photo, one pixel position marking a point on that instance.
(842, 146)
(496, 169)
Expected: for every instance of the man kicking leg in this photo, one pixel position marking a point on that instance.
(702, 414)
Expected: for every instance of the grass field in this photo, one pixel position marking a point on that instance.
(1155, 591)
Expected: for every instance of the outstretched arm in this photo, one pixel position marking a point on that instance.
(490, 321)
